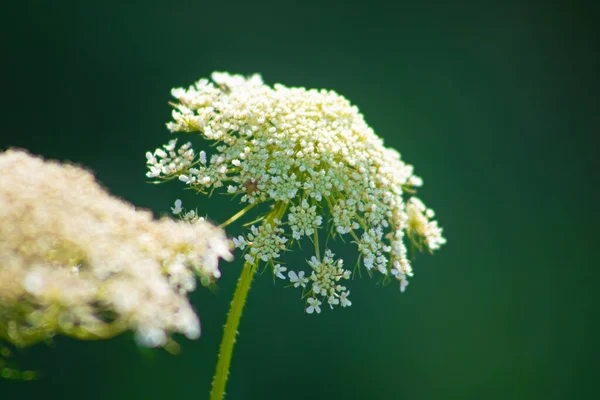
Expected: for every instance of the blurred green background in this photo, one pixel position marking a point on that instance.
(496, 105)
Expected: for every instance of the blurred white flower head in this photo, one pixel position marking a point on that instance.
(310, 156)
(76, 261)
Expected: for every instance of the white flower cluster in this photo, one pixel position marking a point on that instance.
(303, 219)
(304, 152)
(325, 277)
(76, 261)
(266, 241)
(421, 227)
(187, 216)
(169, 161)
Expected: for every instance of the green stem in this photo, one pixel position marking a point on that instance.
(235, 311)
(238, 215)
(231, 326)
(316, 242)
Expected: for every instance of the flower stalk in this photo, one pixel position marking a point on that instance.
(312, 155)
(235, 312)
(230, 332)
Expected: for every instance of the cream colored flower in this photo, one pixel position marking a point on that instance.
(76, 261)
(311, 156)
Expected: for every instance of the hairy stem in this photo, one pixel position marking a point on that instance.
(235, 313)
(231, 326)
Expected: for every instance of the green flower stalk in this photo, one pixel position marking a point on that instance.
(76, 261)
(310, 156)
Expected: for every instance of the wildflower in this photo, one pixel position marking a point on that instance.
(313, 305)
(311, 156)
(297, 279)
(402, 278)
(278, 271)
(303, 219)
(177, 209)
(344, 299)
(325, 277)
(267, 241)
(240, 242)
(419, 224)
(76, 261)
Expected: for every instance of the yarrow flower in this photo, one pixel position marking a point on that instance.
(76, 261)
(310, 156)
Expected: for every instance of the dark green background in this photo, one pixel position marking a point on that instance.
(496, 105)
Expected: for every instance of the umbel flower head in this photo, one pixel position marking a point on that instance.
(76, 261)
(312, 157)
